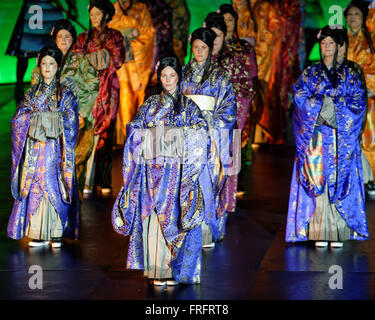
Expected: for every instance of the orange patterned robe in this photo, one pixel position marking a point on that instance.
(139, 33)
(267, 47)
(359, 52)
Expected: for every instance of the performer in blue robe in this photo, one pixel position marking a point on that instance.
(327, 202)
(161, 204)
(212, 90)
(43, 182)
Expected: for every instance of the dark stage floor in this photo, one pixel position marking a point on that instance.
(253, 261)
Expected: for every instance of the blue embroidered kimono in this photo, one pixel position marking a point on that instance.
(326, 157)
(163, 184)
(44, 133)
(221, 118)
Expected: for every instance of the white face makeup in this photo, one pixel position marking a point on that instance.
(64, 40)
(48, 68)
(200, 51)
(169, 79)
(219, 40)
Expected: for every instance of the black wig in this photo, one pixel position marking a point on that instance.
(228, 8)
(207, 36)
(176, 66)
(329, 31)
(216, 20)
(56, 54)
(64, 24)
(125, 11)
(104, 6)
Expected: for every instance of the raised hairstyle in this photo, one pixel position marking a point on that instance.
(216, 20)
(342, 34)
(170, 62)
(204, 34)
(56, 54)
(105, 6)
(228, 8)
(207, 36)
(64, 24)
(329, 31)
(363, 7)
(53, 52)
(176, 66)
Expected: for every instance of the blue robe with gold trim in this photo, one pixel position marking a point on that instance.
(327, 156)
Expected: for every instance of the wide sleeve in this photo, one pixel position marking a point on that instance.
(19, 129)
(115, 46)
(350, 106)
(250, 64)
(354, 102)
(370, 21)
(268, 32)
(125, 208)
(87, 79)
(70, 122)
(224, 116)
(196, 146)
(368, 65)
(35, 74)
(246, 71)
(80, 44)
(224, 120)
(307, 105)
(145, 41)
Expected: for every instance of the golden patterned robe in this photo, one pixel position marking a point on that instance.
(359, 52)
(139, 35)
(268, 42)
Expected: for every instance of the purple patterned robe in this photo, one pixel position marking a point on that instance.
(44, 169)
(165, 185)
(221, 120)
(239, 62)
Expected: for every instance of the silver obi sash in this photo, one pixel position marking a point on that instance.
(45, 125)
(205, 103)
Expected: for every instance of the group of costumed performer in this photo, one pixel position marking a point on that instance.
(173, 208)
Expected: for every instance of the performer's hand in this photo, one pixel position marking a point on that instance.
(331, 92)
(372, 5)
(81, 123)
(135, 33)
